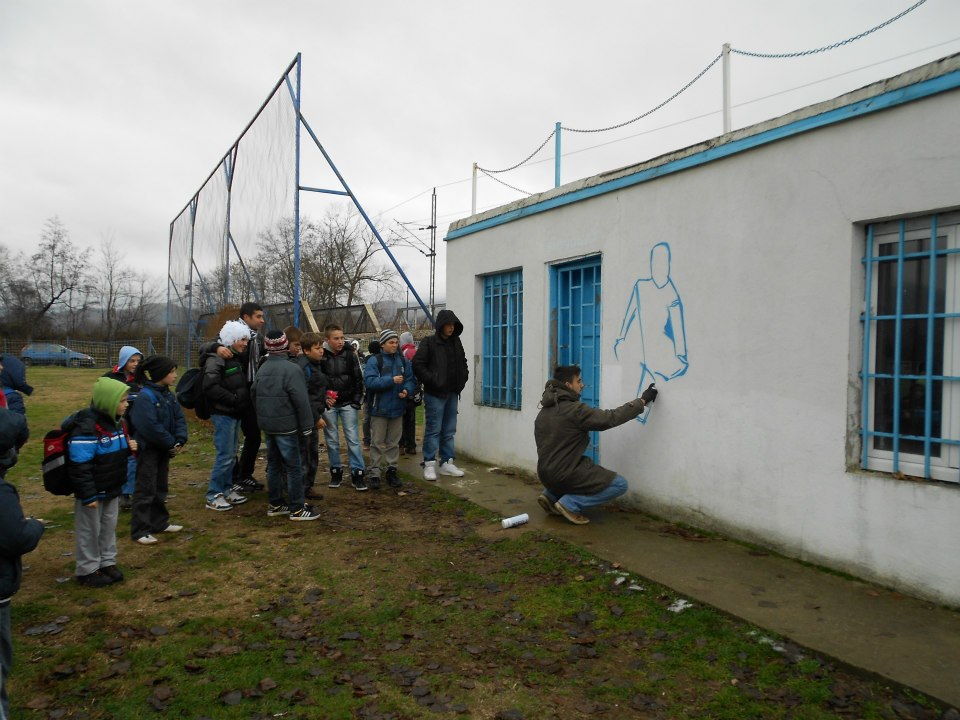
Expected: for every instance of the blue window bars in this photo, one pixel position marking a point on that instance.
(502, 339)
(910, 419)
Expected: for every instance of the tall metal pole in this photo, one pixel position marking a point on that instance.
(726, 88)
(433, 248)
(556, 155)
(296, 208)
(473, 201)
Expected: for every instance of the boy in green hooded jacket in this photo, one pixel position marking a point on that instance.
(98, 449)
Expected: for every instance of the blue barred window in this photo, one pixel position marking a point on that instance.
(911, 334)
(502, 339)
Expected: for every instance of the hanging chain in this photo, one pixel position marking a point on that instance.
(519, 190)
(825, 48)
(529, 157)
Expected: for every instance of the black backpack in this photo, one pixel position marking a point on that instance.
(190, 393)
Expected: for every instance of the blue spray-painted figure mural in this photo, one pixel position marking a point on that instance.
(654, 312)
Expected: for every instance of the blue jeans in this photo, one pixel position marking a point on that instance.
(579, 503)
(283, 456)
(226, 440)
(348, 416)
(130, 485)
(440, 425)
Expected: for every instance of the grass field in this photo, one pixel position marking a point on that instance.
(388, 607)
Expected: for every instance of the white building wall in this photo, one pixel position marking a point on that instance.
(766, 249)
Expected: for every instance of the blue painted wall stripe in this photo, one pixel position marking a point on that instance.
(926, 88)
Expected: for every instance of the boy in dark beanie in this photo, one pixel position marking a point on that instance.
(98, 451)
(280, 398)
(18, 536)
(388, 378)
(161, 432)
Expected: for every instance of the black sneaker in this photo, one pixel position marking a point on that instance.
(393, 479)
(356, 479)
(311, 494)
(96, 579)
(126, 502)
(112, 572)
(248, 485)
(274, 510)
(305, 513)
(336, 477)
(373, 482)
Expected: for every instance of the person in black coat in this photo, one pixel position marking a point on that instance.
(441, 365)
(13, 378)
(311, 345)
(18, 536)
(341, 365)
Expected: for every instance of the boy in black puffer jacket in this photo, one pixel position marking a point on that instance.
(228, 397)
(18, 536)
(161, 432)
(345, 377)
(311, 345)
(98, 451)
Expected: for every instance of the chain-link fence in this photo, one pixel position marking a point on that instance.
(74, 352)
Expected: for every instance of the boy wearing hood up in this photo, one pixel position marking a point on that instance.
(571, 480)
(124, 371)
(98, 449)
(13, 378)
(441, 365)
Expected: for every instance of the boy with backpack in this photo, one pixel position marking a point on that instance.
(309, 361)
(13, 379)
(227, 395)
(280, 399)
(98, 449)
(161, 432)
(18, 536)
(389, 380)
(124, 371)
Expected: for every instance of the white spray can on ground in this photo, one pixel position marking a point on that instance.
(514, 521)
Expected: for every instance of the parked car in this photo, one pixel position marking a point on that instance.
(52, 354)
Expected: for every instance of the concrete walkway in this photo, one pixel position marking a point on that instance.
(907, 640)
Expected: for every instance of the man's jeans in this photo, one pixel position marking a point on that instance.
(283, 455)
(440, 425)
(351, 431)
(579, 503)
(226, 440)
(131, 484)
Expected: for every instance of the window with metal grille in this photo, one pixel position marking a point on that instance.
(911, 351)
(502, 340)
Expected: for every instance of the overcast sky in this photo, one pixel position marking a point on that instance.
(112, 112)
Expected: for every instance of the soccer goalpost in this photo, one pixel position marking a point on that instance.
(251, 197)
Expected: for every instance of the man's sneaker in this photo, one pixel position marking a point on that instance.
(249, 485)
(393, 480)
(304, 514)
(544, 502)
(356, 479)
(96, 579)
(147, 540)
(219, 503)
(235, 498)
(336, 477)
(172, 528)
(112, 572)
(430, 470)
(274, 510)
(448, 468)
(575, 518)
(311, 494)
(373, 482)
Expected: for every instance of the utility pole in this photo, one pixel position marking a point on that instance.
(433, 247)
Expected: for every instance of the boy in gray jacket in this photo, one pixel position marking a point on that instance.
(279, 395)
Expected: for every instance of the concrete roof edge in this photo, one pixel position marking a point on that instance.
(936, 68)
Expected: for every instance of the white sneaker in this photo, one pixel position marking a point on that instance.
(235, 498)
(147, 540)
(448, 468)
(173, 528)
(430, 470)
(219, 503)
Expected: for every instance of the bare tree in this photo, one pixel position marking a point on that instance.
(57, 271)
(352, 249)
(123, 295)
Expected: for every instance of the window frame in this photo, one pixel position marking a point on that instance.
(896, 460)
(501, 374)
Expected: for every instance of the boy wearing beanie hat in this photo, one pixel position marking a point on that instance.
(389, 380)
(228, 397)
(124, 370)
(98, 448)
(161, 432)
